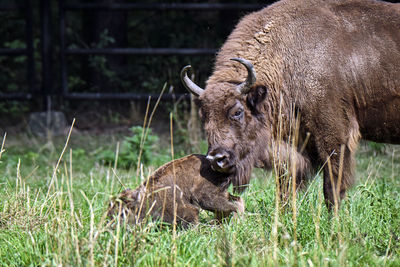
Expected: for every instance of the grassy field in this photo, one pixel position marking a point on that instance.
(52, 212)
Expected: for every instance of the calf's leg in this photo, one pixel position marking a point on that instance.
(222, 204)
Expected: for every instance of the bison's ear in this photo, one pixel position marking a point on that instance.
(255, 97)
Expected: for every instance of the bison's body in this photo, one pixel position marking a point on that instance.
(185, 184)
(334, 65)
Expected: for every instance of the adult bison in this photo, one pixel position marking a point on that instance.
(333, 65)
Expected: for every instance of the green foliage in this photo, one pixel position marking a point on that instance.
(13, 109)
(13, 69)
(75, 81)
(139, 144)
(15, 44)
(13, 73)
(376, 148)
(98, 62)
(12, 159)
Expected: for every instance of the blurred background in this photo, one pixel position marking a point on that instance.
(99, 61)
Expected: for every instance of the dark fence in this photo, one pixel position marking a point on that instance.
(28, 51)
(48, 43)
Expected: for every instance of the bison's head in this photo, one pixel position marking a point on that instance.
(233, 115)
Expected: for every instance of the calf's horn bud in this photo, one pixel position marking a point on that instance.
(245, 86)
(191, 86)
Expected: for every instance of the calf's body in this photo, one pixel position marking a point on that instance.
(180, 187)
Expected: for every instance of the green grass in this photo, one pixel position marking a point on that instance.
(66, 224)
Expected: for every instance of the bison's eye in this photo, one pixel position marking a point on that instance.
(237, 114)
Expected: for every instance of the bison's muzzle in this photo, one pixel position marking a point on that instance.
(221, 160)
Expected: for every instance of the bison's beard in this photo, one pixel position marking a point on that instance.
(241, 177)
(281, 156)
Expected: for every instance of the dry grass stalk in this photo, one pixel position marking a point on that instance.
(146, 127)
(174, 248)
(294, 138)
(59, 159)
(91, 229)
(194, 125)
(142, 137)
(2, 144)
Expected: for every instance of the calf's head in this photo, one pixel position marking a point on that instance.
(126, 205)
(233, 116)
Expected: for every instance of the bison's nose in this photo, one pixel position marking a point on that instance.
(220, 160)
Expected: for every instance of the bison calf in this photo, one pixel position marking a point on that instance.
(196, 186)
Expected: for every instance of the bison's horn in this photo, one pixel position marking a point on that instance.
(191, 86)
(245, 86)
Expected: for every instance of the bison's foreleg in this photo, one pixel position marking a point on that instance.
(338, 176)
(339, 166)
(290, 165)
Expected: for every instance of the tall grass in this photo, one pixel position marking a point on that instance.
(66, 224)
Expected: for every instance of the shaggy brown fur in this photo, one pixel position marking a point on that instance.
(196, 186)
(334, 65)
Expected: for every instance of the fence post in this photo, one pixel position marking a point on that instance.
(29, 47)
(63, 62)
(46, 49)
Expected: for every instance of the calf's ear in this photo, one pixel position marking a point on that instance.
(255, 97)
